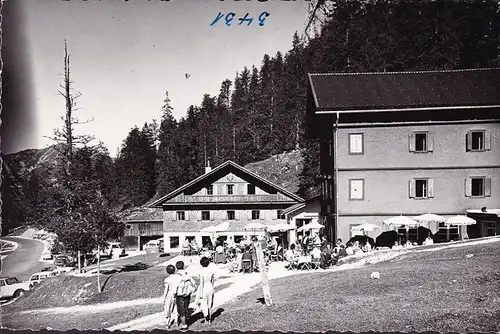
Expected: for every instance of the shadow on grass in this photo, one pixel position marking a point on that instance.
(261, 300)
(134, 267)
(199, 316)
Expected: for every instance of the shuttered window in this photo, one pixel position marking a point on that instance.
(478, 140)
(478, 186)
(421, 142)
(181, 215)
(356, 143)
(421, 188)
(205, 215)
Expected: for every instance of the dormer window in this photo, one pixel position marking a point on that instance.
(210, 190)
(230, 189)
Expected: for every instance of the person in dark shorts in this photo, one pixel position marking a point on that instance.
(187, 286)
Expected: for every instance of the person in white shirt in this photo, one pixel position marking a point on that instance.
(316, 253)
(291, 256)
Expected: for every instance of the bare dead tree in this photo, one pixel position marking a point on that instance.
(318, 12)
(66, 134)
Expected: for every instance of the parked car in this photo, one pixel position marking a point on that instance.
(11, 287)
(38, 277)
(62, 261)
(158, 243)
(114, 249)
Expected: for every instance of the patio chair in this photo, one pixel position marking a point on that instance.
(315, 263)
(247, 265)
(276, 255)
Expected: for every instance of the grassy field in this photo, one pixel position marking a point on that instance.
(444, 290)
(84, 320)
(427, 291)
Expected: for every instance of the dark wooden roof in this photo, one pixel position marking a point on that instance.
(405, 90)
(226, 167)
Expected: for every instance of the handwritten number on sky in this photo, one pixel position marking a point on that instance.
(228, 18)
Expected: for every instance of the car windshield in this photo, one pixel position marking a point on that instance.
(34, 278)
(11, 280)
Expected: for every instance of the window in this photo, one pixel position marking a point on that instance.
(251, 189)
(238, 238)
(2, 283)
(421, 188)
(11, 280)
(181, 215)
(205, 215)
(478, 140)
(255, 214)
(478, 186)
(206, 241)
(279, 214)
(421, 142)
(356, 143)
(447, 233)
(356, 189)
(210, 190)
(490, 229)
(33, 278)
(174, 242)
(230, 215)
(230, 189)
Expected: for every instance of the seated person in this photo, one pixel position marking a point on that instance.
(342, 251)
(194, 245)
(335, 256)
(291, 256)
(316, 253)
(219, 249)
(356, 247)
(326, 253)
(186, 245)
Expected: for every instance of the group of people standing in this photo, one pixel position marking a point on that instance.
(180, 287)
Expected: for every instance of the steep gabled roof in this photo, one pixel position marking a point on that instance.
(226, 164)
(472, 88)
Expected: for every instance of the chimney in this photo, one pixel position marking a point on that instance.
(207, 167)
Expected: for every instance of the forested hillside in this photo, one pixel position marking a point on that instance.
(261, 112)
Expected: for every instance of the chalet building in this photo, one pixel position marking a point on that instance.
(227, 193)
(301, 214)
(407, 143)
(141, 226)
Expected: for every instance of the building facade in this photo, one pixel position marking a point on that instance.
(406, 144)
(228, 193)
(301, 214)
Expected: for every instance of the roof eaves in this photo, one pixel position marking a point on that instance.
(315, 97)
(180, 189)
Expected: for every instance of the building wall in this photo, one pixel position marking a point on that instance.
(387, 166)
(389, 147)
(193, 223)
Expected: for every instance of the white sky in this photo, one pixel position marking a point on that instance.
(124, 55)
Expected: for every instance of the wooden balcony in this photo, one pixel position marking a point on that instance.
(268, 198)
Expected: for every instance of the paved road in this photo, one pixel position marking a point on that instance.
(25, 260)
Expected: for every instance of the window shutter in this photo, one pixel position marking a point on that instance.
(468, 187)
(212, 215)
(411, 187)
(174, 216)
(487, 140)
(261, 214)
(430, 188)
(468, 139)
(237, 214)
(411, 142)
(220, 190)
(487, 187)
(430, 142)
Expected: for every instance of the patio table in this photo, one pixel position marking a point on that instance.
(304, 262)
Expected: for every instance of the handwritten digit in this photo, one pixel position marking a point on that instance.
(219, 16)
(245, 18)
(262, 19)
(229, 19)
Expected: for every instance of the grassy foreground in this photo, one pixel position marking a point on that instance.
(444, 291)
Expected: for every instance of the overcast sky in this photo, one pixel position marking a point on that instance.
(124, 55)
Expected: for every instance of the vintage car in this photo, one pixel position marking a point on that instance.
(11, 287)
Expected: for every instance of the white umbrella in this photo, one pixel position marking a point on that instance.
(222, 227)
(282, 227)
(430, 221)
(365, 227)
(209, 229)
(401, 220)
(311, 226)
(459, 220)
(255, 226)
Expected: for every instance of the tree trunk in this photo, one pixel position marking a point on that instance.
(79, 262)
(98, 269)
